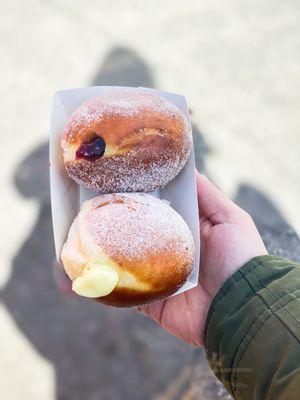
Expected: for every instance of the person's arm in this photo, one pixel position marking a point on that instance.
(246, 307)
(253, 331)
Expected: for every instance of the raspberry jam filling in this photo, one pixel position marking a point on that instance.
(91, 150)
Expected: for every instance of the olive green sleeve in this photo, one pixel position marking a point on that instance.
(252, 336)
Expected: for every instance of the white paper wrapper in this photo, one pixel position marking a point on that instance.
(67, 196)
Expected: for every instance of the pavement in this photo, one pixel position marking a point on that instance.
(238, 66)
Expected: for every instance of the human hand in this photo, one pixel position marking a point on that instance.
(229, 239)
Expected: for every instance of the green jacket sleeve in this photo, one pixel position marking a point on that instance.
(252, 336)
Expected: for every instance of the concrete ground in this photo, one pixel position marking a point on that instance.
(237, 62)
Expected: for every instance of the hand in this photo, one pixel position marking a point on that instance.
(229, 239)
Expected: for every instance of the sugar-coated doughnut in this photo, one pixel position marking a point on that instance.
(126, 141)
(128, 249)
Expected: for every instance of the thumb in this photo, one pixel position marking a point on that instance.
(213, 204)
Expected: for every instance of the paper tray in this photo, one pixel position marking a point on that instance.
(67, 196)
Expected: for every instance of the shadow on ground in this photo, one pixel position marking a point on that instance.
(97, 352)
(123, 67)
(279, 237)
(102, 353)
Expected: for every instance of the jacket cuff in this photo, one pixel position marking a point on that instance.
(240, 309)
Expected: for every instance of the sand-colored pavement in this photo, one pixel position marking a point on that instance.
(237, 62)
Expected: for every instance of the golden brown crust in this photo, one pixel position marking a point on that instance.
(147, 138)
(132, 298)
(148, 243)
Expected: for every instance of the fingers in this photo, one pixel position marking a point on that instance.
(213, 204)
(153, 310)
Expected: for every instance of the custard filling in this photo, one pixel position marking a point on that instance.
(97, 280)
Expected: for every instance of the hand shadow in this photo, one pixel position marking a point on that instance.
(97, 352)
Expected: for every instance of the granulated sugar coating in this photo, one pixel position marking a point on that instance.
(126, 174)
(132, 226)
(147, 243)
(127, 104)
(148, 141)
